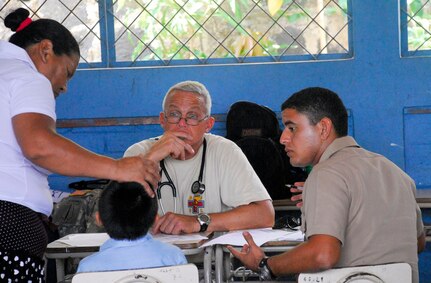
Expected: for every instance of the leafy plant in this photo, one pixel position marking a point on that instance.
(171, 29)
(419, 23)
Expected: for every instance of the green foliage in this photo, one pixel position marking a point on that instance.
(419, 23)
(415, 8)
(168, 31)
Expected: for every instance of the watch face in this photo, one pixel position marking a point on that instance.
(204, 218)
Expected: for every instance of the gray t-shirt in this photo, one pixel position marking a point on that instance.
(366, 202)
(229, 179)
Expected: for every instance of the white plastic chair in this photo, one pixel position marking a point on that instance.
(386, 273)
(187, 273)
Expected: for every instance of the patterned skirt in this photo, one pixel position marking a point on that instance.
(23, 240)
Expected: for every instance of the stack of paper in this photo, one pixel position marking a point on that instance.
(84, 239)
(260, 237)
(174, 239)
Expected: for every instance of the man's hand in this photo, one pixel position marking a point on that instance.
(171, 144)
(297, 193)
(250, 254)
(175, 224)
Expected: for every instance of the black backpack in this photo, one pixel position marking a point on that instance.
(256, 130)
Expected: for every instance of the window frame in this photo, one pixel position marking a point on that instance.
(404, 35)
(108, 57)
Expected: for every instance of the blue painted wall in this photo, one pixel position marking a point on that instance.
(376, 85)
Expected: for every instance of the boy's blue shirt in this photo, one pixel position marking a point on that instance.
(145, 252)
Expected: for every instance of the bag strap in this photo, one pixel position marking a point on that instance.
(89, 185)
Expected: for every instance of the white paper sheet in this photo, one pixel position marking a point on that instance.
(177, 239)
(84, 239)
(260, 237)
(97, 239)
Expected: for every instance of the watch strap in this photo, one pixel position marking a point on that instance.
(204, 223)
(265, 272)
(204, 227)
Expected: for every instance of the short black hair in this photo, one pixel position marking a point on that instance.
(62, 40)
(317, 103)
(126, 210)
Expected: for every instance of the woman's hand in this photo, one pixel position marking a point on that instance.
(138, 169)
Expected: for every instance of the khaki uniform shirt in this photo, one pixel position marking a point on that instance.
(365, 201)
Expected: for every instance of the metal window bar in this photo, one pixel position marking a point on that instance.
(202, 26)
(107, 18)
(147, 46)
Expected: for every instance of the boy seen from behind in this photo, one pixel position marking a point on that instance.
(127, 213)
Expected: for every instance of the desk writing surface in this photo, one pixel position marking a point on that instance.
(423, 195)
(284, 202)
(260, 237)
(423, 198)
(188, 241)
(90, 242)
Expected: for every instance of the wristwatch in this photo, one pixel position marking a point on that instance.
(265, 273)
(204, 220)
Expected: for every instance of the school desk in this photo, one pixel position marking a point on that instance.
(423, 198)
(62, 249)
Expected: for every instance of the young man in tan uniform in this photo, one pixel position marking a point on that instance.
(359, 208)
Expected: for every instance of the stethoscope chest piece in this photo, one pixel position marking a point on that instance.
(198, 187)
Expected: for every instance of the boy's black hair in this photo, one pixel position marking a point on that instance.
(126, 210)
(317, 103)
(62, 40)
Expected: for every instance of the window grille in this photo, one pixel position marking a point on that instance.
(125, 33)
(81, 17)
(415, 19)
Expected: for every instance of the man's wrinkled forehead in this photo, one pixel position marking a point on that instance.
(176, 99)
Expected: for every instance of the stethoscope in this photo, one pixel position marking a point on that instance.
(197, 187)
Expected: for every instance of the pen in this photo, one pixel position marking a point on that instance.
(293, 186)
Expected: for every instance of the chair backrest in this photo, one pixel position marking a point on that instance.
(187, 273)
(386, 273)
(256, 130)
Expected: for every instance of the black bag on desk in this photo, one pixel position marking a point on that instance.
(256, 130)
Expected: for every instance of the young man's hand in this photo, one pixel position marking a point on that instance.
(250, 254)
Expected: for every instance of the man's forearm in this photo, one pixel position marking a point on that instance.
(254, 215)
(321, 252)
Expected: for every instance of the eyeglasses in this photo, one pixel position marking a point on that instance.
(288, 222)
(191, 119)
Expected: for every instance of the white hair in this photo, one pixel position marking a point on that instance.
(191, 86)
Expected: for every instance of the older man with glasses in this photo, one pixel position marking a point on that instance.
(207, 184)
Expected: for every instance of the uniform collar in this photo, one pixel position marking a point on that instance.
(110, 243)
(337, 145)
